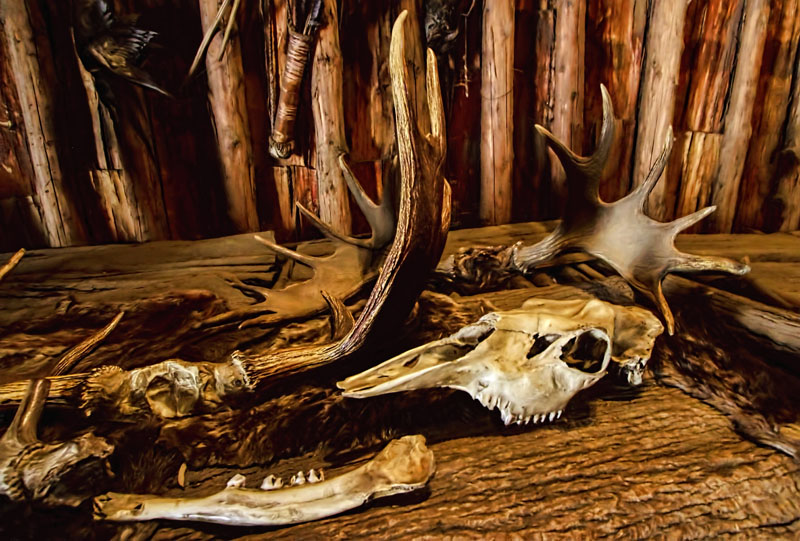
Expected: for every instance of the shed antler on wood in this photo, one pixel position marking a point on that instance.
(639, 248)
(422, 224)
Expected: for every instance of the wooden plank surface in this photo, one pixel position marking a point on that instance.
(660, 463)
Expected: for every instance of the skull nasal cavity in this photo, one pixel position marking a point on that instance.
(585, 352)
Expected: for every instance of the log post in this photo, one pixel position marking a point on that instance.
(36, 92)
(568, 61)
(786, 200)
(738, 127)
(615, 39)
(110, 181)
(497, 112)
(663, 48)
(772, 102)
(708, 63)
(328, 112)
(230, 118)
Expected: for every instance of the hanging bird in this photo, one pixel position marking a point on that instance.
(109, 45)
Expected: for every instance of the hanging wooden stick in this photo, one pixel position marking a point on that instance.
(281, 142)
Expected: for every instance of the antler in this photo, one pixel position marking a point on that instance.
(422, 226)
(639, 248)
(353, 263)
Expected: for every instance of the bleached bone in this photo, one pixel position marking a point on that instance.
(404, 465)
(639, 248)
(516, 361)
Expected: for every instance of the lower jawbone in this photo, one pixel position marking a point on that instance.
(528, 363)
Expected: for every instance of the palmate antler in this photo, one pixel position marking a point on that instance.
(343, 273)
(639, 248)
(422, 225)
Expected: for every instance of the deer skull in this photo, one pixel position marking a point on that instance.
(528, 363)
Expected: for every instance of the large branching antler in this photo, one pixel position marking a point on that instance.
(422, 225)
(639, 248)
(423, 222)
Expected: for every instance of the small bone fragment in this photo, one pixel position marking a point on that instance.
(404, 465)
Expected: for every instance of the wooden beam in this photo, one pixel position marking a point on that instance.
(785, 201)
(738, 126)
(615, 45)
(36, 90)
(497, 112)
(772, 102)
(328, 111)
(568, 62)
(230, 117)
(663, 48)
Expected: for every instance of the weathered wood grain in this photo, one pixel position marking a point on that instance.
(497, 112)
(663, 48)
(328, 112)
(769, 114)
(655, 463)
(230, 116)
(614, 50)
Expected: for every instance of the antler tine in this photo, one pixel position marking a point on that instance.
(285, 252)
(379, 217)
(643, 191)
(15, 259)
(684, 222)
(404, 116)
(438, 135)
(584, 172)
(207, 39)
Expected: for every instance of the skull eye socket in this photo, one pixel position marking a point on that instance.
(585, 352)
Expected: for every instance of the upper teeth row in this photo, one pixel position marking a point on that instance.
(272, 482)
(492, 402)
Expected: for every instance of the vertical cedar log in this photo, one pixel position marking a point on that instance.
(546, 200)
(786, 200)
(709, 58)
(524, 168)
(568, 65)
(497, 112)
(20, 223)
(229, 111)
(738, 126)
(663, 47)
(772, 103)
(328, 111)
(367, 88)
(35, 85)
(614, 45)
(464, 122)
(110, 181)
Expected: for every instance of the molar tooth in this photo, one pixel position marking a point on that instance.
(558, 415)
(271, 482)
(536, 418)
(527, 419)
(552, 415)
(237, 481)
(298, 479)
(312, 476)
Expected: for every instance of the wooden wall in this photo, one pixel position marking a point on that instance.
(723, 73)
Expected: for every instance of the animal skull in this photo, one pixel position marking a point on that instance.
(528, 363)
